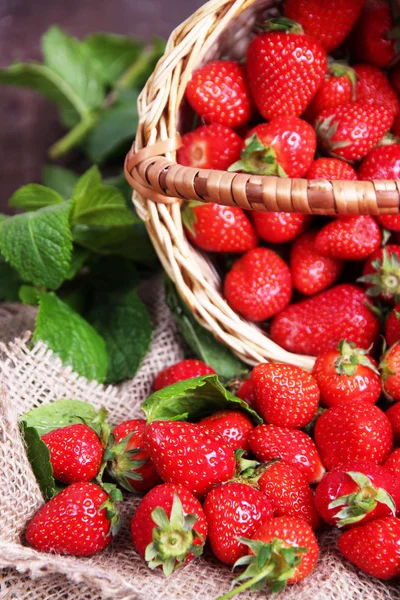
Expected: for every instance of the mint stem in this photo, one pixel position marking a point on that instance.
(74, 137)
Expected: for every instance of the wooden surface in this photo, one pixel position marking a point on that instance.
(28, 123)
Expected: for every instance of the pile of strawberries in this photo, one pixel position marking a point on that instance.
(292, 111)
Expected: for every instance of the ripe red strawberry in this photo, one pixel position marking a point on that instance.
(351, 131)
(381, 273)
(291, 445)
(357, 492)
(353, 431)
(232, 425)
(390, 367)
(186, 454)
(277, 227)
(258, 285)
(338, 87)
(393, 463)
(76, 452)
(332, 169)
(393, 414)
(349, 238)
(392, 326)
(317, 324)
(218, 92)
(288, 491)
(210, 147)
(80, 520)
(184, 369)
(374, 547)
(347, 374)
(329, 23)
(234, 509)
(284, 395)
(129, 464)
(217, 228)
(285, 69)
(391, 222)
(312, 271)
(371, 43)
(169, 527)
(373, 87)
(282, 551)
(381, 163)
(245, 392)
(285, 147)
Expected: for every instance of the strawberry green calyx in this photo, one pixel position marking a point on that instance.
(258, 159)
(389, 139)
(325, 130)
(270, 565)
(173, 538)
(362, 502)
(339, 69)
(282, 24)
(99, 425)
(121, 462)
(350, 357)
(112, 512)
(189, 216)
(385, 281)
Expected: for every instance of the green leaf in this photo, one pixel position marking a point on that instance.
(71, 337)
(114, 273)
(39, 244)
(57, 414)
(98, 204)
(113, 133)
(29, 295)
(78, 259)
(33, 197)
(112, 54)
(124, 322)
(10, 282)
(120, 182)
(39, 457)
(59, 179)
(202, 342)
(76, 299)
(193, 399)
(67, 57)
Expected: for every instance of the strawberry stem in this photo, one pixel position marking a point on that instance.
(283, 24)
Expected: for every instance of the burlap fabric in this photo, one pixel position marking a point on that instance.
(33, 376)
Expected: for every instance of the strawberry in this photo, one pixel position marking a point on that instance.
(357, 492)
(349, 238)
(282, 551)
(129, 464)
(232, 425)
(392, 463)
(76, 452)
(186, 454)
(374, 548)
(169, 527)
(353, 431)
(284, 395)
(258, 285)
(351, 131)
(329, 23)
(391, 222)
(393, 414)
(285, 69)
(382, 163)
(390, 367)
(217, 228)
(291, 445)
(218, 92)
(234, 509)
(396, 128)
(392, 326)
(312, 271)
(347, 374)
(184, 369)
(373, 87)
(381, 273)
(245, 392)
(332, 169)
(338, 87)
(210, 147)
(285, 147)
(317, 324)
(278, 227)
(80, 520)
(371, 43)
(288, 491)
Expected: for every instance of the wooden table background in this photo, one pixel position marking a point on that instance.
(28, 123)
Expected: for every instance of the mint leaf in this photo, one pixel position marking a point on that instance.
(33, 197)
(113, 133)
(193, 399)
(10, 282)
(114, 273)
(71, 337)
(39, 457)
(202, 342)
(78, 259)
(98, 204)
(112, 54)
(124, 322)
(39, 245)
(120, 182)
(60, 180)
(66, 56)
(58, 414)
(29, 295)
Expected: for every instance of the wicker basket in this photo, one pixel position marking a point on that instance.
(221, 28)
